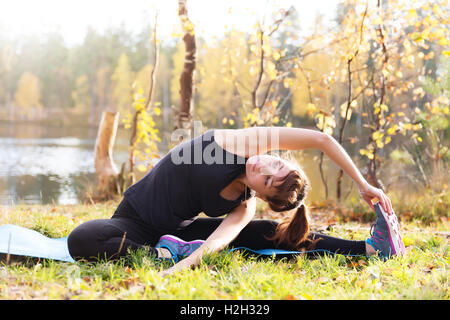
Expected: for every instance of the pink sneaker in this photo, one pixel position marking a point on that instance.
(178, 247)
(385, 237)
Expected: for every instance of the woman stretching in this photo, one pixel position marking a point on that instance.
(220, 173)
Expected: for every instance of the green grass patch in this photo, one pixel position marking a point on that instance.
(421, 274)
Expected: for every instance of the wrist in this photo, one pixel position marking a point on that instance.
(364, 186)
(188, 262)
(179, 266)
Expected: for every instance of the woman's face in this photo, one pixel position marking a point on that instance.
(265, 172)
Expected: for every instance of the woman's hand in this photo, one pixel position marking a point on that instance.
(189, 262)
(369, 192)
(175, 268)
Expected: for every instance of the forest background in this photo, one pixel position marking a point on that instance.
(377, 79)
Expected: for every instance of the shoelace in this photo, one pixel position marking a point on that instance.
(186, 249)
(376, 237)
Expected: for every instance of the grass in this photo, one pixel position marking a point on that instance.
(421, 274)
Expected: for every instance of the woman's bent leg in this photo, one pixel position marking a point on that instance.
(111, 238)
(256, 235)
(107, 238)
(325, 243)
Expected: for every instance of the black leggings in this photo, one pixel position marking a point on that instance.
(111, 238)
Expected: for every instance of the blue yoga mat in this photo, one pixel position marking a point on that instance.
(279, 252)
(21, 241)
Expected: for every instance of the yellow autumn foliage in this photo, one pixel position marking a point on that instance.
(28, 93)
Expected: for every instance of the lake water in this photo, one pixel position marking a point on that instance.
(50, 164)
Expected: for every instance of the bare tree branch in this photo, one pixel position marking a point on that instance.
(131, 177)
(257, 85)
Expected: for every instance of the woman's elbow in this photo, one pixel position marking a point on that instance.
(324, 140)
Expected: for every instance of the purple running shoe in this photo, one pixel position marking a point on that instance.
(385, 234)
(178, 247)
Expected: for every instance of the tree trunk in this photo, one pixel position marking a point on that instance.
(187, 75)
(105, 168)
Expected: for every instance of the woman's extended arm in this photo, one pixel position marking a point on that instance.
(337, 153)
(258, 140)
(229, 229)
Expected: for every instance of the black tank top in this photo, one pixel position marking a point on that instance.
(186, 182)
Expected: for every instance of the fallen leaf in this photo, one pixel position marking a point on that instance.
(87, 279)
(306, 296)
(323, 280)
(362, 262)
(128, 270)
(388, 271)
(426, 270)
(340, 278)
(128, 283)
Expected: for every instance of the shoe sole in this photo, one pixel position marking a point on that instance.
(393, 229)
(180, 241)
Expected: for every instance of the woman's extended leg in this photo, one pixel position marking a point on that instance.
(255, 236)
(111, 238)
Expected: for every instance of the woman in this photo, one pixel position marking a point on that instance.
(222, 172)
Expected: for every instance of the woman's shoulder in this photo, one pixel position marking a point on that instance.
(232, 140)
(244, 142)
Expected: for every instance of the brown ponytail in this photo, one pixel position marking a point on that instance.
(291, 193)
(293, 231)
